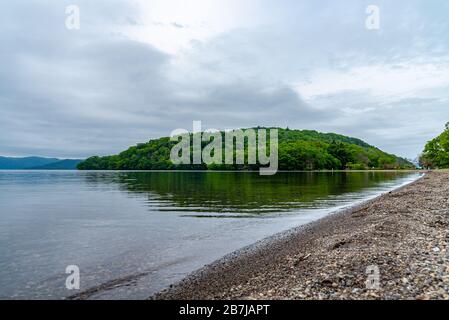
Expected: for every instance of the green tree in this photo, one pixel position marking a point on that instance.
(436, 151)
(339, 151)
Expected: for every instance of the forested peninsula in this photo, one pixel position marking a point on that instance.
(298, 150)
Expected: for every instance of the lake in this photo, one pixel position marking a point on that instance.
(133, 233)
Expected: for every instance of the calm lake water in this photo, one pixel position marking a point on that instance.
(133, 233)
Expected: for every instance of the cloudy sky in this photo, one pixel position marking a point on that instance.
(139, 69)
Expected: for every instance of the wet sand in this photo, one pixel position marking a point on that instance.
(404, 234)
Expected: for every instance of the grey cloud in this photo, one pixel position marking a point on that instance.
(72, 93)
(178, 25)
(79, 93)
(93, 91)
(401, 127)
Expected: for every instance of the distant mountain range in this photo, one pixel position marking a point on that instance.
(38, 163)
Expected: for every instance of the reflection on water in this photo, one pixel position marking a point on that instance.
(237, 192)
(133, 233)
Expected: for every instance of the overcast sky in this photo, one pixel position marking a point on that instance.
(137, 70)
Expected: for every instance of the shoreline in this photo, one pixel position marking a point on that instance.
(327, 258)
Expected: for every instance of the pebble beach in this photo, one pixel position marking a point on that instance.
(402, 235)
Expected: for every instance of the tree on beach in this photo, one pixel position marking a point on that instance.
(436, 152)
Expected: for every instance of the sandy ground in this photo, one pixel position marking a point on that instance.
(403, 235)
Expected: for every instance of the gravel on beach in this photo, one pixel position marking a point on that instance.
(403, 235)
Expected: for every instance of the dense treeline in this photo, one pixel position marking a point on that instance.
(298, 150)
(436, 152)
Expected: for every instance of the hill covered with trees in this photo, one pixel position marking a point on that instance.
(436, 152)
(298, 150)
